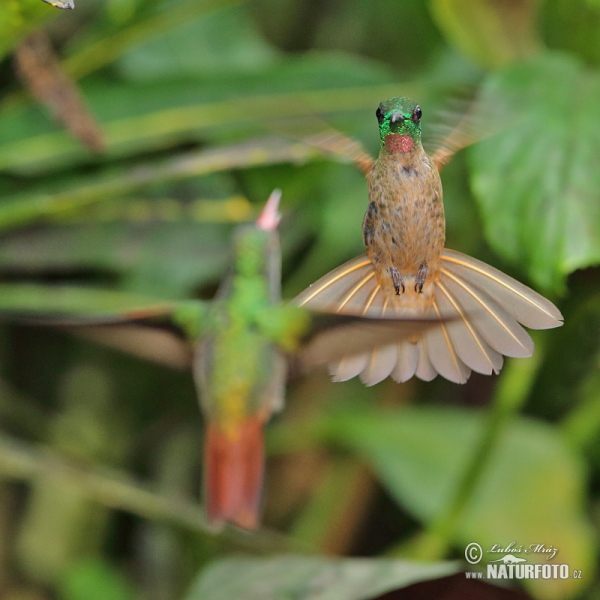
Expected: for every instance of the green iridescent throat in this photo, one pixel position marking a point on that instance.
(398, 118)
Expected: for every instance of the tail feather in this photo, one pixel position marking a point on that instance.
(381, 364)
(526, 306)
(425, 369)
(233, 473)
(471, 348)
(442, 353)
(408, 359)
(349, 366)
(480, 310)
(497, 327)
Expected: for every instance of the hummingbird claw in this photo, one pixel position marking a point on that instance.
(398, 281)
(420, 279)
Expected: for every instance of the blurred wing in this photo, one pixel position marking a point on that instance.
(469, 130)
(462, 135)
(103, 316)
(158, 345)
(319, 134)
(342, 337)
(334, 142)
(468, 121)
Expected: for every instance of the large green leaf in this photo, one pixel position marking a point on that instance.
(223, 41)
(537, 182)
(163, 259)
(310, 578)
(39, 301)
(489, 33)
(531, 491)
(573, 25)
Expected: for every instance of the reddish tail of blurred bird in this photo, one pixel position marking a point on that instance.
(234, 471)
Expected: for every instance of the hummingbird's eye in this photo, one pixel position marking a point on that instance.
(379, 115)
(417, 114)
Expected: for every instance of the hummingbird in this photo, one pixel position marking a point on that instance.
(241, 371)
(407, 272)
(238, 345)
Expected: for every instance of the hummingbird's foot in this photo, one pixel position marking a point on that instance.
(398, 281)
(420, 279)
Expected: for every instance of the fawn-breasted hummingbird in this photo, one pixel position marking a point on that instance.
(407, 272)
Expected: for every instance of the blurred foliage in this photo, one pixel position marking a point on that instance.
(100, 452)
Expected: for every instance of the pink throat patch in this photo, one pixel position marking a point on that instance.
(394, 142)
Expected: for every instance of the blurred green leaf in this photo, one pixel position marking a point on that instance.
(55, 200)
(224, 41)
(148, 258)
(310, 578)
(537, 182)
(94, 579)
(573, 25)
(532, 479)
(23, 300)
(162, 17)
(18, 17)
(490, 32)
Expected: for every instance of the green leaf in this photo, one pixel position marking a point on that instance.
(537, 182)
(18, 18)
(160, 259)
(39, 301)
(490, 33)
(223, 41)
(68, 196)
(310, 578)
(93, 579)
(574, 26)
(531, 492)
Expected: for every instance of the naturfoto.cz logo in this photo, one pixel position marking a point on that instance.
(509, 566)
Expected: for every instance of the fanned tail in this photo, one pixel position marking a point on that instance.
(233, 473)
(475, 319)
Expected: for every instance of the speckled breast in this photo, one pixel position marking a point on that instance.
(404, 226)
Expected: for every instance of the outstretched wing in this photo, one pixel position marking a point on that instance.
(131, 323)
(333, 141)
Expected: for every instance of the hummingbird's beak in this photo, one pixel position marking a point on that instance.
(269, 218)
(396, 116)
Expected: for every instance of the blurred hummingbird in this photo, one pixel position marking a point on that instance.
(238, 346)
(407, 273)
(241, 372)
